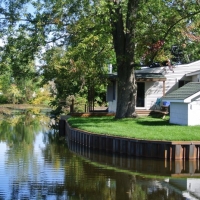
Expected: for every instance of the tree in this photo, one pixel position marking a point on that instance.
(134, 26)
(18, 70)
(91, 30)
(164, 17)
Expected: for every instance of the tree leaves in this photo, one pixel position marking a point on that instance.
(77, 39)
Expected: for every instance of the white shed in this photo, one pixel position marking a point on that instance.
(185, 104)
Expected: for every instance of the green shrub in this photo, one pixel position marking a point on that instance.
(3, 99)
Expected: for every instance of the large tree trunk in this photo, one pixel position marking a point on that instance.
(127, 90)
(123, 40)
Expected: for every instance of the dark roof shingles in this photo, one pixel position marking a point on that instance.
(184, 92)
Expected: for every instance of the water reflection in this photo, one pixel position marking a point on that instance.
(162, 178)
(36, 164)
(158, 167)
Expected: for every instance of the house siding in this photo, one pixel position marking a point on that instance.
(153, 90)
(185, 114)
(112, 106)
(112, 102)
(194, 113)
(195, 78)
(179, 113)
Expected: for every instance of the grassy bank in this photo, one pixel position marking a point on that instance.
(141, 128)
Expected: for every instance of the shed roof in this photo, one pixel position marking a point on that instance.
(144, 76)
(184, 94)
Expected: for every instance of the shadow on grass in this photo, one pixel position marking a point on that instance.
(76, 122)
(154, 122)
(104, 121)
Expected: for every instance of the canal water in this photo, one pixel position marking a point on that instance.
(35, 163)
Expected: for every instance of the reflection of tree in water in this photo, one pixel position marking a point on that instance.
(19, 132)
(87, 181)
(20, 129)
(125, 186)
(82, 179)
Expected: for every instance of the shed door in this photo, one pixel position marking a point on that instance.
(140, 94)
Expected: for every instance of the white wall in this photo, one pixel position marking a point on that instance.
(185, 114)
(153, 90)
(112, 105)
(195, 78)
(179, 113)
(194, 113)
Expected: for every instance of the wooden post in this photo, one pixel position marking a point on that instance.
(163, 88)
(178, 152)
(192, 152)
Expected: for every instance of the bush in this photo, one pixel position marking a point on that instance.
(3, 99)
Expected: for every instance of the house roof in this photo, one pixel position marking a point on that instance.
(143, 77)
(193, 73)
(150, 77)
(184, 94)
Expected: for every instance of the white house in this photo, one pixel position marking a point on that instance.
(185, 104)
(155, 83)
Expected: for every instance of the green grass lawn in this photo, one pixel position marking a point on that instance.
(141, 128)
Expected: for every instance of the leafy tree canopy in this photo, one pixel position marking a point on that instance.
(80, 37)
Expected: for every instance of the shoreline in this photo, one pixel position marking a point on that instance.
(9, 108)
(172, 150)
